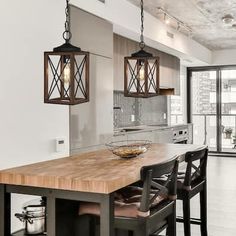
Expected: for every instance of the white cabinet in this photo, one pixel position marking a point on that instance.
(170, 72)
(163, 136)
(147, 135)
(155, 136)
(91, 123)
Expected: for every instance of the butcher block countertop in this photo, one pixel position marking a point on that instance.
(99, 171)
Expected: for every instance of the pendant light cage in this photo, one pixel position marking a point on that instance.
(141, 70)
(66, 71)
(141, 77)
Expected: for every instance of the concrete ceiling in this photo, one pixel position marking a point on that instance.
(204, 17)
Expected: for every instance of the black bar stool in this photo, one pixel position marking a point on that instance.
(191, 183)
(145, 209)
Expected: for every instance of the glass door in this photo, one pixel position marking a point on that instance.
(204, 107)
(228, 110)
(212, 107)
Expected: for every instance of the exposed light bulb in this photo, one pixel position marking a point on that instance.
(141, 73)
(66, 73)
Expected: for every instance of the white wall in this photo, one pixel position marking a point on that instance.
(224, 57)
(28, 127)
(126, 20)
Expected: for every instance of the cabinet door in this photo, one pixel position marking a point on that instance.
(176, 75)
(166, 71)
(120, 137)
(141, 136)
(170, 72)
(163, 136)
(91, 123)
(91, 33)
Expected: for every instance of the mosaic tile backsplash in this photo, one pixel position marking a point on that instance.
(130, 111)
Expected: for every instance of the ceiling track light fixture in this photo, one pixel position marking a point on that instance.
(178, 27)
(179, 23)
(228, 19)
(166, 19)
(66, 71)
(141, 70)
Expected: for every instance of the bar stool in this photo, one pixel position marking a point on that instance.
(191, 183)
(148, 208)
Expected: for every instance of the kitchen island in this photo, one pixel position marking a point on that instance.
(92, 177)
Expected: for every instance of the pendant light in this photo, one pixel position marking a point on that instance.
(66, 71)
(141, 78)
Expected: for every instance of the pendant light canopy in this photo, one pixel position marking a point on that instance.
(66, 71)
(141, 78)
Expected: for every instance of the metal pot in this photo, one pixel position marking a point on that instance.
(34, 218)
(35, 210)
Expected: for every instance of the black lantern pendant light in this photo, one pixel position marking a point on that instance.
(66, 71)
(141, 78)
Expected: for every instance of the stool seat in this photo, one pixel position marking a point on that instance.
(127, 203)
(145, 209)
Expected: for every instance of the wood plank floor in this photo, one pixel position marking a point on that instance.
(221, 199)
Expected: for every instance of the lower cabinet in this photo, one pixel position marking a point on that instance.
(163, 136)
(147, 135)
(155, 136)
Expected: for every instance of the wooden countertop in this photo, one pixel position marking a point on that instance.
(99, 171)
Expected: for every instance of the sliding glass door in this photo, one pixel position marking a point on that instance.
(203, 107)
(228, 110)
(212, 107)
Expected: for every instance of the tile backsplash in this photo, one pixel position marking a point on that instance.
(138, 111)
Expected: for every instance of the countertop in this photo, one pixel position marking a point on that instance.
(98, 171)
(146, 128)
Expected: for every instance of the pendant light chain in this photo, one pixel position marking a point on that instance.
(67, 34)
(142, 44)
(66, 70)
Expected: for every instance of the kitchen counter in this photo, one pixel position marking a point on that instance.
(146, 128)
(92, 176)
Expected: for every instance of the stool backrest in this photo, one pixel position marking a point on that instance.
(165, 188)
(196, 166)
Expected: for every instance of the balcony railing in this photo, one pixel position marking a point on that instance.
(205, 131)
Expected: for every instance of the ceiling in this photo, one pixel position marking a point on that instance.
(204, 17)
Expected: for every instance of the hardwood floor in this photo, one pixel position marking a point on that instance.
(221, 199)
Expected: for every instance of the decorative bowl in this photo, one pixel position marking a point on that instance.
(128, 149)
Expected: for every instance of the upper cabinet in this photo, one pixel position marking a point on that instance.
(91, 123)
(170, 72)
(169, 65)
